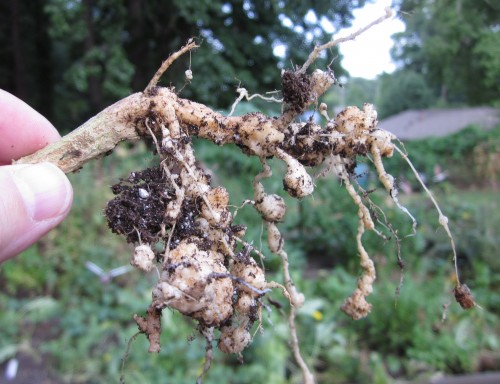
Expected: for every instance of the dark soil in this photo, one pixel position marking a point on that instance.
(139, 206)
(296, 90)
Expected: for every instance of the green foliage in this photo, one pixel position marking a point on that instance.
(70, 59)
(403, 337)
(396, 324)
(402, 90)
(487, 50)
(476, 231)
(452, 43)
(52, 306)
(356, 91)
(323, 225)
(90, 61)
(359, 91)
(468, 156)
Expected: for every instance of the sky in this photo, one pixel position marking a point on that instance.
(369, 54)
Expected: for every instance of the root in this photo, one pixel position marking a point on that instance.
(307, 376)
(252, 248)
(388, 183)
(388, 226)
(443, 220)
(257, 291)
(167, 246)
(243, 94)
(151, 326)
(204, 272)
(209, 353)
(317, 50)
(167, 63)
(271, 211)
(356, 305)
(125, 357)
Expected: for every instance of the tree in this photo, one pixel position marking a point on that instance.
(402, 90)
(452, 44)
(359, 91)
(487, 50)
(89, 59)
(26, 67)
(239, 38)
(87, 54)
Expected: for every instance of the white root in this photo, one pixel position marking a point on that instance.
(208, 333)
(443, 220)
(307, 376)
(388, 183)
(243, 94)
(297, 182)
(272, 208)
(271, 214)
(235, 338)
(323, 110)
(356, 305)
(188, 287)
(251, 275)
(143, 257)
(275, 240)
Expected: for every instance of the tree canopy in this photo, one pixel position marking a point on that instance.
(71, 58)
(455, 45)
(401, 91)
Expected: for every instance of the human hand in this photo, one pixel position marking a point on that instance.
(33, 198)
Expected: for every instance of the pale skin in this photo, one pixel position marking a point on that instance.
(33, 198)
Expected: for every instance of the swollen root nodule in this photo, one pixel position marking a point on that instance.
(182, 225)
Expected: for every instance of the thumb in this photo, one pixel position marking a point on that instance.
(33, 200)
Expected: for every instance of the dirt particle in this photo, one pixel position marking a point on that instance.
(464, 297)
(131, 215)
(297, 90)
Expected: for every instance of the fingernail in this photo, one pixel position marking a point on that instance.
(45, 189)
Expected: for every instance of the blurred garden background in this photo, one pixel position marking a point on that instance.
(62, 323)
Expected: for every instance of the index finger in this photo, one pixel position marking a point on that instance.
(22, 129)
